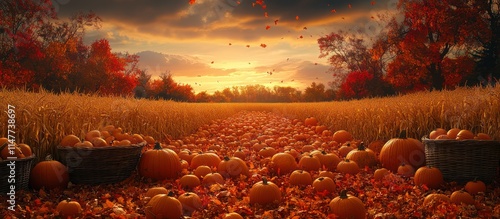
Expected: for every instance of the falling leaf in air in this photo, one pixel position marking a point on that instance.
(263, 45)
(372, 3)
(276, 22)
(248, 46)
(265, 14)
(268, 27)
(297, 17)
(305, 28)
(230, 44)
(212, 62)
(333, 11)
(349, 5)
(301, 36)
(192, 2)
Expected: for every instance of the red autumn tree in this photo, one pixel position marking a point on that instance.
(355, 85)
(432, 31)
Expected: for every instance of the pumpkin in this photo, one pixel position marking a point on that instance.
(208, 159)
(163, 206)
(300, 177)
(310, 121)
(25, 149)
(202, 171)
(68, 208)
(309, 163)
(327, 160)
(99, 142)
(213, 178)
(6, 151)
(406, 170)
(376, 146)
(342, 136)
(364, 157)
(93, 134)
(465, 134)
(327, 173)
(84, 144)
(190, 202)
(402, 149)
(430, 176)
(345, 149)
(283, 163)
(240, 154)
(324, 184)
(189, 181)
(462, 196)
(347, 206)
(232, 215)
(475, 186)
(159, 164)
(49, 174)
(69, 141)
(482, 136)
(264, 192)
(452, 133)
(435, 199)
(348, 167)
(437, 132)
(319, 129)
(233, 167)
(267, 152)
(152, 192)
(379, 174)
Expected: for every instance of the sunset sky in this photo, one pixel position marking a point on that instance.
(214, 44)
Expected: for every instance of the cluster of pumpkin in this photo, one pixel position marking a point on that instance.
(19, 150)
(106, 136)
(457, 134)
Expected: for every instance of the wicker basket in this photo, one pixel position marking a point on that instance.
(22, 176)
(100, 165)
(463, 160)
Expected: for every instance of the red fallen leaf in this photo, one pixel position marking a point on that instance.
(297, 17)
(192, 2)
(38, 202)
(268, 27)
(108, 204)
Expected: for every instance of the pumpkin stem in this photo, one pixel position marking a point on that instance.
(403, 134)
(361, 146)
(157, 146)
(171, 194)
(48, 157)
(343, 194)
(264, 180)
(226, 158)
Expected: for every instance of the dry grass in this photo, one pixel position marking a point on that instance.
(42, 119)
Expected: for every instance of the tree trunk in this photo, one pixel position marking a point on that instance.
(437, 78)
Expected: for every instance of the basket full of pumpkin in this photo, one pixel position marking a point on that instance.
(16, 162)
(462, 155)
(102, 156)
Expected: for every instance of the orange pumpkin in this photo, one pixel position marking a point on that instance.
(233, 167)
(69, 140)
(25, 149)
(363, 156)
(348, 167)
(309, 163)
(283, 163)
(264, 192)
(159, 164)
(462, 196)
(430, 176)
(406, 170)
(324, 184)
(69, 209)
(213, 178)
(475, 186)
(152, 192)
(379, 174)
(202, 171)
(163, 206)
(327, 160)
(190, 202)
(347, 206)
(310, 121)
(49, 174)
(189, 181)
(402, 149)
(232, 215)
(342, 136)
(435, 199)
(300, 177)
(208, 159)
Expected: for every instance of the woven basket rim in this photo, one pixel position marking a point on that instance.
(33, 156)
(425, 138)
(142, 144)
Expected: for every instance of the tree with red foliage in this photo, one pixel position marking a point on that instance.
(432, 31)
(355, 85)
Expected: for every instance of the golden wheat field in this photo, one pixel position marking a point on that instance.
(43, 118)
